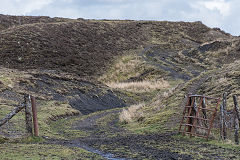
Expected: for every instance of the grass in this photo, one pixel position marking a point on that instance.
(10, 77)
(129, 65)
(16, 151)
(139, 128)
(128, 115)
(140, 86)
(157, 114)
(63, 128)
(48, 109)
(51, 110)
(14, 131)
(16, 126)
(198, 147)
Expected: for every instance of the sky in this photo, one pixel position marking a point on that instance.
(223, 14)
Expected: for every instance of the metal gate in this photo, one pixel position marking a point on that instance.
(198, 115)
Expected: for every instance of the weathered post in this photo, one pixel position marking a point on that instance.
(236, 127)
(28, 114)
(34, 111)
(204, 112)
(223, 107)
(236, 107)
(236, 120)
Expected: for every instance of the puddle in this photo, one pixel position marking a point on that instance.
(108, 156)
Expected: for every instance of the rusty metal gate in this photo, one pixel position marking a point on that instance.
(198, 115)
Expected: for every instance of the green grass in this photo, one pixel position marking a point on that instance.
(63, 129)
(52, 110)
(145, 129)
(201, 146)
(15, 151)
(47, 111)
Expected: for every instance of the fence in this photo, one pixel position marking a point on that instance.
(29, 105)
(229, 120)
(200, 116)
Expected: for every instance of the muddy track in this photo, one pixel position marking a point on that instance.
(111, 141)
(169, 68)
(114, 142)
(193, 89)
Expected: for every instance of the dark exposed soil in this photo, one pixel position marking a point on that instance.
(85, 96)
(156, 56)
(117, 141)
(189, 63)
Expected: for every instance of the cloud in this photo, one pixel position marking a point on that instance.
(214, 13)
(22, 7)
(221, 6)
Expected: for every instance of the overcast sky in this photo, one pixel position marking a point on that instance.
(214, 13)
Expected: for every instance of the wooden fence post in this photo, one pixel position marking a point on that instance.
(204, 112)
(236, 107)
(223, 108)
(236, 120)
(34, 111)
(28, 114)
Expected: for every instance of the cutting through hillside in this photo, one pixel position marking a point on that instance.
(114, 89)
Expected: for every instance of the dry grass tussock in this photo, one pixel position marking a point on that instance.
(132, 113)
(125, 67)
(140, 86)
(157, 101)
(222, 80)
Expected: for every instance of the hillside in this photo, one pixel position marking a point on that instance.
(91, 69)
(60, 44)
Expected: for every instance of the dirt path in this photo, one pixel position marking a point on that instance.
(161, 55)
(103, 135)
(108, 139)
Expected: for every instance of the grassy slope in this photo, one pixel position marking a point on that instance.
(214, 60)
(163, 113)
